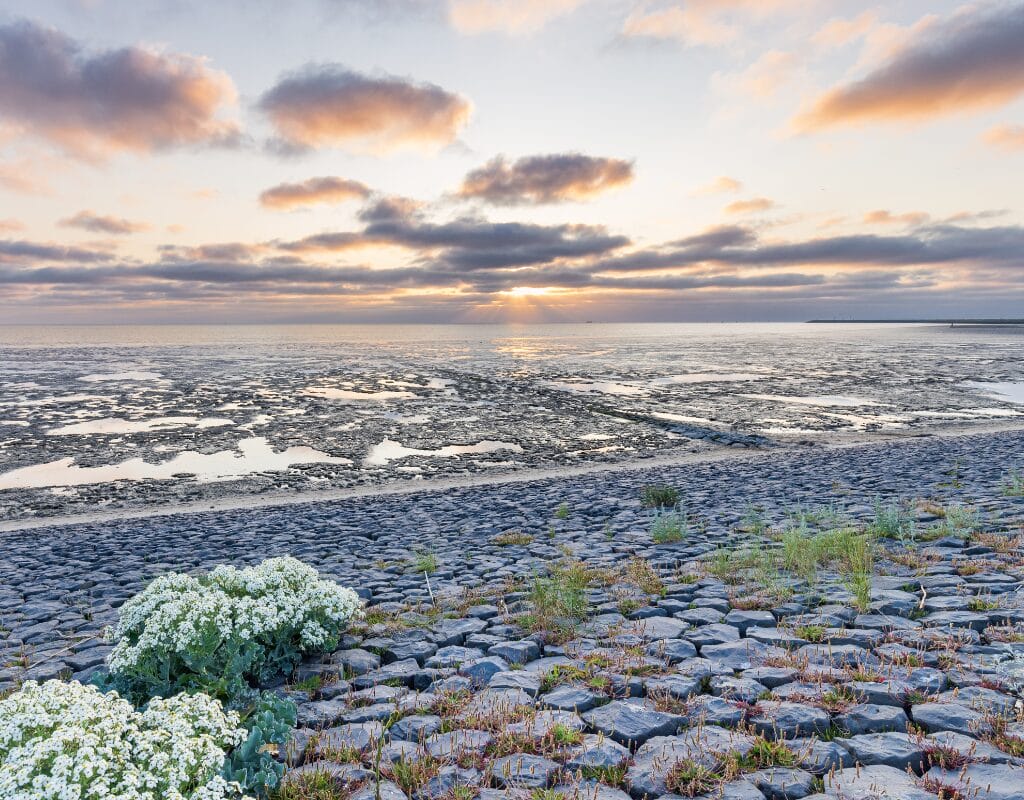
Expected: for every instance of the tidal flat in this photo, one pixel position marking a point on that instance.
(133, 418)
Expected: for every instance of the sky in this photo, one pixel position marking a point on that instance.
(470, 161)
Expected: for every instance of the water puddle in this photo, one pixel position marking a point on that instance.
(348, 395)
(825, 400)
(596, 387)
(390, 450)
(1011, 391)
(130, 375)
(707, 377)
(252, 455)
(113, 425)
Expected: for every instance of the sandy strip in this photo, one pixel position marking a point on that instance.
(270, 500)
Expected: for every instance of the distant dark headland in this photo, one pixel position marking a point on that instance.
(939, 321)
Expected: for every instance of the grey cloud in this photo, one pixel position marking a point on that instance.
(973, 59)
(97, 223)
(554, 178)
(329, 105)
(92, 104)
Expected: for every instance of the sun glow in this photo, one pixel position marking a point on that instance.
(527, 291)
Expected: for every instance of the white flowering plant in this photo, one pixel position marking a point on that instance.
(228, 631)
(66, 741)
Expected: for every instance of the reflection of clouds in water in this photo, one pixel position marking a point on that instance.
(390, 450)
(253, 455)
(130, 375)
(111, 425)
(1013, 391)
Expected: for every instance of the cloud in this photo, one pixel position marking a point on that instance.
(728, 264)
(700, 22)
(1007, 137)
(88, 221)
(763, 78)
(542, 179)
(507, 16)
(314, 190)
(11, 225)
(971, 60)
(94, 104)
(840, 31)
(883, 216)
(464, 244)
(751, 206)
(721, 184)
(330, 106)
(20, 251)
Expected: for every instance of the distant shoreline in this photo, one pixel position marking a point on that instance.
(993, 321)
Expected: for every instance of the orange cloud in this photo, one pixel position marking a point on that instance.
(509, 16)
(331, 106)
(883, 216)
(764, 77)
(723, 183)
(91, 105)
(11, 225)
(751, 206)
(840, 31)
(552, 178)
(971, 60)
(700, 22)
(88, 221)
(315, 190)
(1008, 137)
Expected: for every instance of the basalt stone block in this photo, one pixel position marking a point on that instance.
(714, 633)
(744, 620)
(456, 743)
(704, 745)
(528, 682)
(672, 650)
(447, 779)
(596, 751)
(355, 736)
(984, 781)
(632, 723)
(416, 728)
(523, 770)
(680, 687)
(571, 698)
(898, 750)
(782, 783)
(784, 720)
(871, 718)
(481, 670)
(518, 652)
(935, 717)
(820, 757)
(453, 656)
(739, 689)
(874, 783)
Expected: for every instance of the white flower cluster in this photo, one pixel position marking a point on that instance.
(66, 741)
(277, 599)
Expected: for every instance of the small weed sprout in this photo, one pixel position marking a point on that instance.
(659, 497)
(669, 528)
(1012, 485)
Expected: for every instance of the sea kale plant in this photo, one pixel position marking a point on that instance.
(64, 740)
(226, 632)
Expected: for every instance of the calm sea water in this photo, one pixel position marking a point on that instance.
(329, 405)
